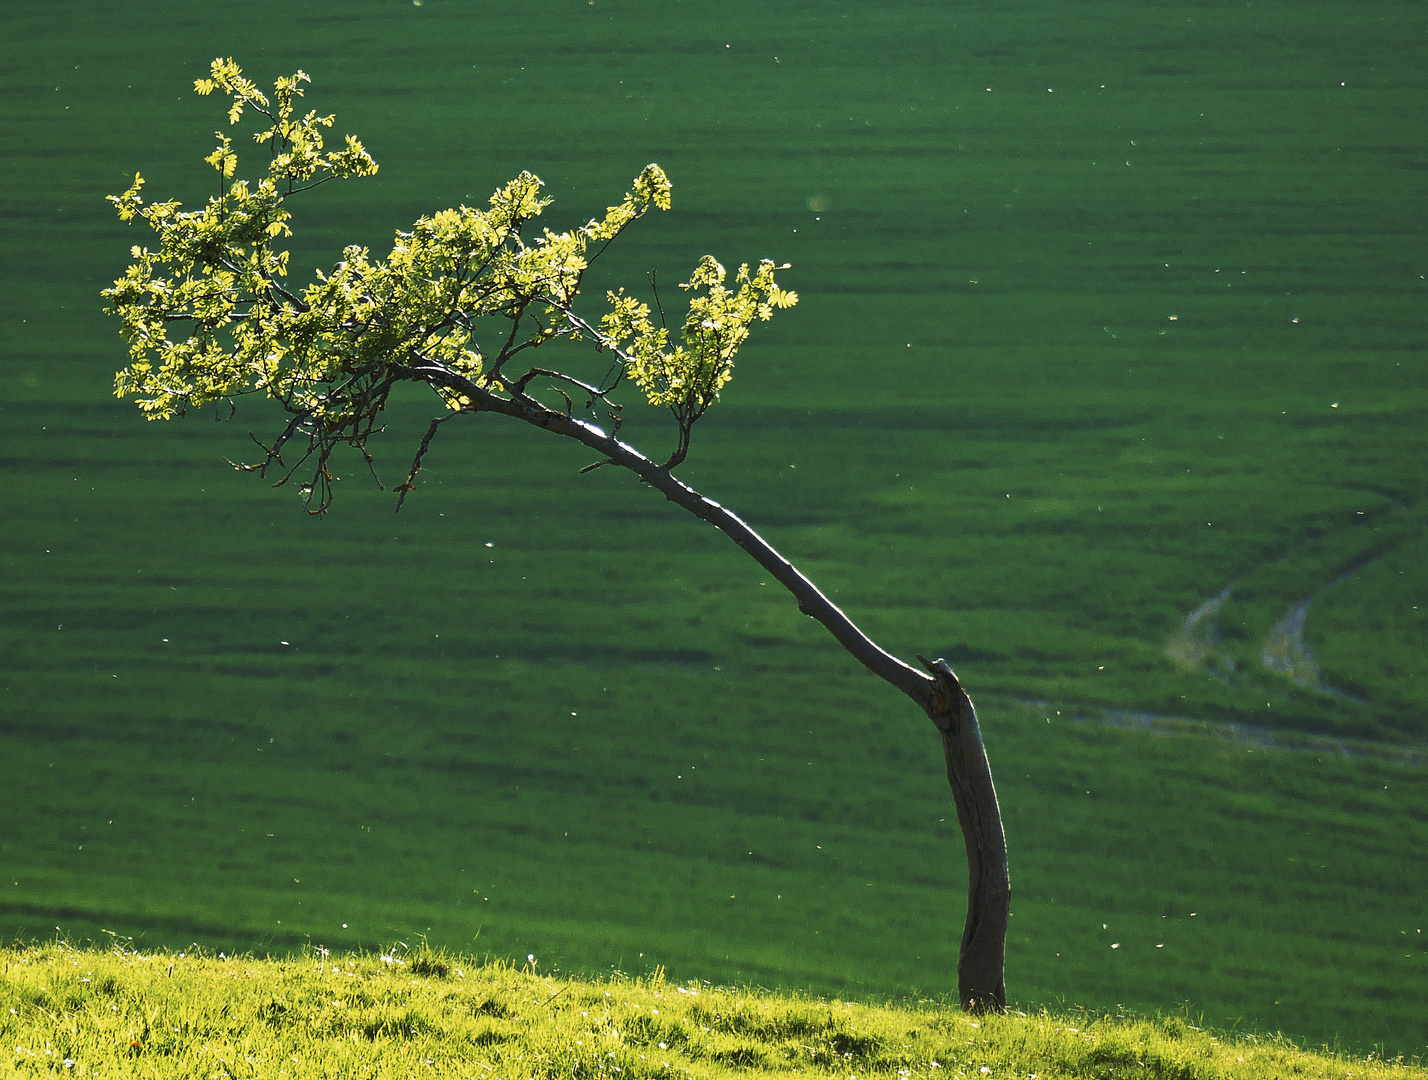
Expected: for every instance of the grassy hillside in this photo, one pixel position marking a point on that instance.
(1103, 312)
(402, 1013)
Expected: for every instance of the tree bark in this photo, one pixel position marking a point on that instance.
(981, 982)
(981, 964)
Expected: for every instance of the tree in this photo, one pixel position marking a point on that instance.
(210, 318)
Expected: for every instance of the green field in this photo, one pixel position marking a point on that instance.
(1101, 315)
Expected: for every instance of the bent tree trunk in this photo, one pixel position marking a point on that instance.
(981, 964)
(981, 982)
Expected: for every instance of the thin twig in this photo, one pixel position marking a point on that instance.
(654, 284)
(410, 483)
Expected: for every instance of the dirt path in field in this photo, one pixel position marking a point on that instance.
(1415, 754)
(1285, 649)
(1195, 645)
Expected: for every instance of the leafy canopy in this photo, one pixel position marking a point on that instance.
(209, 315)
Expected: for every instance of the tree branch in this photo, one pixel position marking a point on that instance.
(811, 601)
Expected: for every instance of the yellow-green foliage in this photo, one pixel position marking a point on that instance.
(716, 325)
(216, 269)
(208, 315)
(88, 1013)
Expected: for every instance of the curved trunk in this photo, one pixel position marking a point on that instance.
(981, 981)
(981, 964)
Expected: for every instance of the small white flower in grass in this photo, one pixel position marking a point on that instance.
(664, 1046)
(984, 1070)
(69, 1063)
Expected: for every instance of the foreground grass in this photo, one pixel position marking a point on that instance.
(83, 1012)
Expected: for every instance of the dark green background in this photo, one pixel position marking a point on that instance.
(604, 739)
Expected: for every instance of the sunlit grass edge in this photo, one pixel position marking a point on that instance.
(405, 1012)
